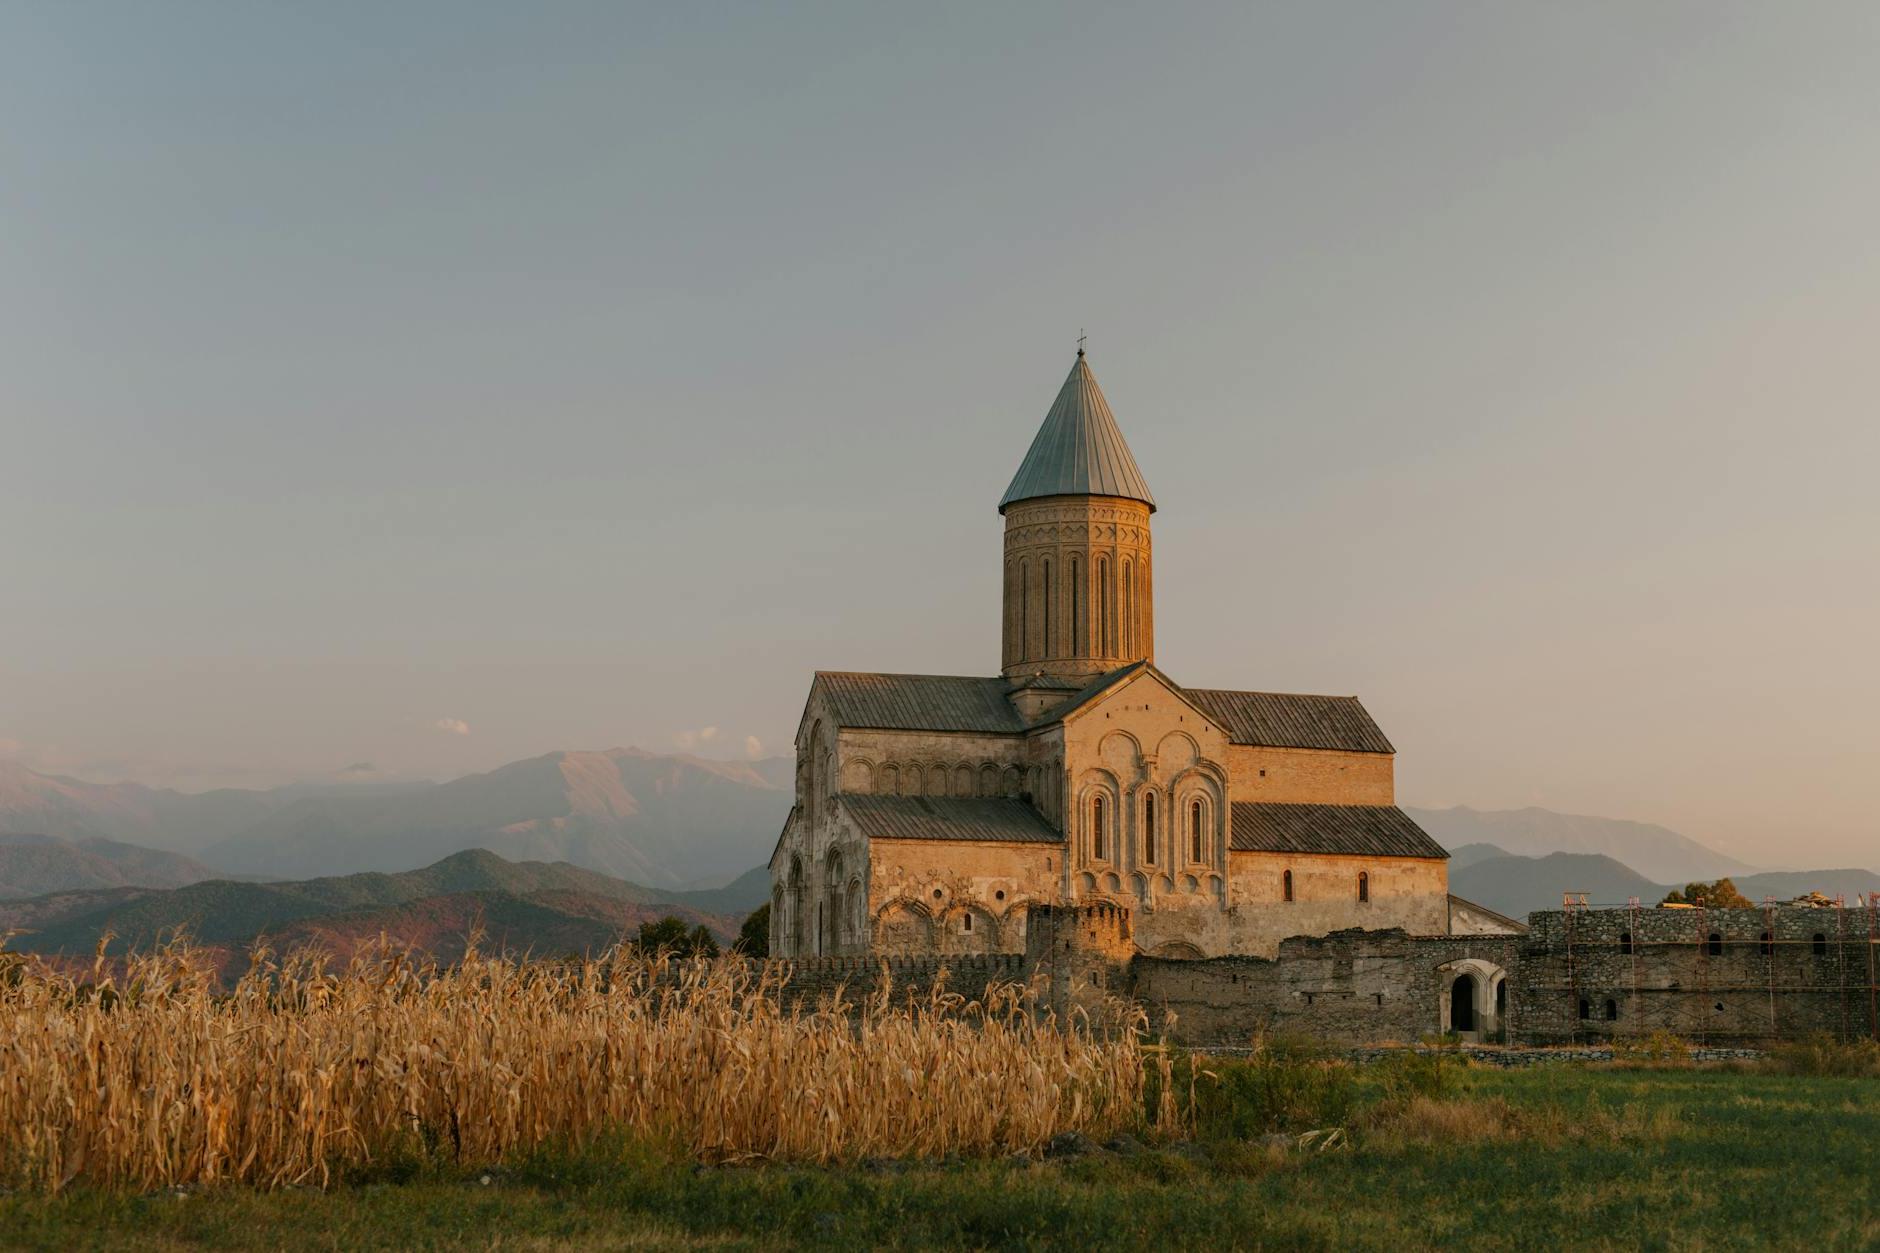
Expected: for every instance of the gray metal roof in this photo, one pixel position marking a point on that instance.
(1353, 830)
(1078, 451)
(949, 702)
(947, 818)
(1283, 720)
(920, 702)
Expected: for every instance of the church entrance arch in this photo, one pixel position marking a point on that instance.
(1468, 998)
(1462, 1004)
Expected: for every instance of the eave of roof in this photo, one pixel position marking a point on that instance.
(1330, 830)
(992, 820)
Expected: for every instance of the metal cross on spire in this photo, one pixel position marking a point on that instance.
(1081, 337)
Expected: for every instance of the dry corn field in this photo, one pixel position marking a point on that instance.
(152, 1076)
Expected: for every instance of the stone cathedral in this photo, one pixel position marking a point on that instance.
(933, 810)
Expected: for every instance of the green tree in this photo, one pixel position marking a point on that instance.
(670, 934)
(1719, 895)
(754, 935)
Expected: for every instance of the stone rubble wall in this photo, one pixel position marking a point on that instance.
(970, 975)
(1589, 975)
(1350, 987)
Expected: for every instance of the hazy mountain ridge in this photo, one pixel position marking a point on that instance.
(527, 905)
(33, 865)
(1656, 852)
(672, 820)
(1516, 885)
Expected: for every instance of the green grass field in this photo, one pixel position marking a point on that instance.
(1673, 1159)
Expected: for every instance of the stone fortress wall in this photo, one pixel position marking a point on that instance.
(1708, 975)
(1718, 978)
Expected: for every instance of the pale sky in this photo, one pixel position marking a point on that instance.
(432, 385)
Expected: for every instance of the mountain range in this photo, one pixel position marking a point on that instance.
(1516, 885)
(1654, 851)
(674, 822)
(671, 820)
(33, 864)
(537, 906)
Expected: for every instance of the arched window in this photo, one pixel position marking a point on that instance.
(1768, 945)
(1106, 627)
(1078, 634)
(1821, 945)
(1129, 608)
(1195, 844)
(1024, 611)
(1714, 944)
(1096, 828)
(1586, 1008)
(1285, 886)
(1364, 885)
(966, 923)
(1625, 941)
(1050, 648)
(1148, 828)
(1612, 1010)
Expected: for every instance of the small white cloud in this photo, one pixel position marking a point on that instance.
(708, 735)
(753, 747)
(452, 726)
(692, 739)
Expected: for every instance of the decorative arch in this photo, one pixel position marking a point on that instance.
(798, 889)
(968, 927)
(1099, 808)
(903, 925)
(988, 779)
(888, 778)
(858, 775)
(1177, 950)
(1478, 982)
(963, 779)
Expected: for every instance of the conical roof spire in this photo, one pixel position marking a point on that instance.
(1078, 451)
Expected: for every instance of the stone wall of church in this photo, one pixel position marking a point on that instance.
(1305, 776)
(956, 896)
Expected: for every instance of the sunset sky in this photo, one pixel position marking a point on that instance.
(398, 390)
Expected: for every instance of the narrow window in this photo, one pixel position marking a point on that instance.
(1024, 611)
(1821, 945)
(1096, 828)
(1078, 647)
(1612, 1010)
(1148, 828)
(1050, 643)
(1586, 1008)
(1625, 941)
(1106, 636)
(1364, 885)
(1129, 609)
(1194, 833)
(1714, 945)
(1768, 945)
(967, 924)
(1285, 885)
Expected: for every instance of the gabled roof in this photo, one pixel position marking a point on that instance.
(947, 702)
(1079, 451)
(1349, 830)
(920, 702)
(947, 818)
(1283, 720)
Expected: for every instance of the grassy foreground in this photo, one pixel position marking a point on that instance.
(1673, 1159)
